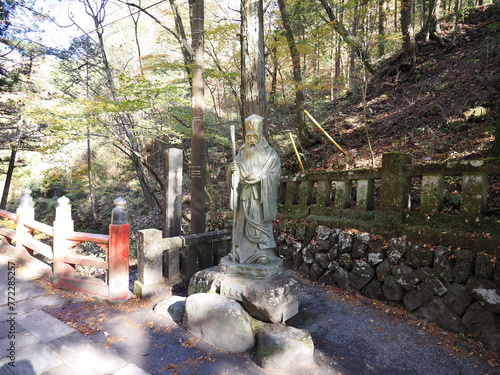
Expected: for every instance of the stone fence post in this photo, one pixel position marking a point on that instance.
(118, 253)
(149, 264)
(394, 190)
(172, 193)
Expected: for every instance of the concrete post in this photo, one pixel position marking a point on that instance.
(173, 192)
(118, 253)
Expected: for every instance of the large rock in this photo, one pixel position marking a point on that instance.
(396, 250)
(437, 311)
(360, 245)
(268, 299)
(464, 266)
(406, 276)
(172, 307)
(219, 321)
(484, 325)
(486, 292)
(458, 299)
(282, 347)
(416, 298)
(419, 255)
(361, 274)
(443, 263)
(392, 290)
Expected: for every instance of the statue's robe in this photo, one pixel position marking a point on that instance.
(257, 204)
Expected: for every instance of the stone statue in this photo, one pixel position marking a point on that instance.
(259, 169)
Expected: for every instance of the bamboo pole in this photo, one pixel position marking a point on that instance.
(324, 132)
(296, 152)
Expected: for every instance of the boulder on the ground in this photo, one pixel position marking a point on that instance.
(219, 321)
(172, 307)
(282, 347)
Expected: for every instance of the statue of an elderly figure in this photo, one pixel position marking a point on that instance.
(259, 169)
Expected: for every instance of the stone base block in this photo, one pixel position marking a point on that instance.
(273, 299)
(261, 271)
(147, 291)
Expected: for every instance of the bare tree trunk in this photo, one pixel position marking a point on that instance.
(305, 137)
(8, 177)
(382, 19)
(348, 38)
(253, 77)
(409, 44)
(430, 28)
(198, 146)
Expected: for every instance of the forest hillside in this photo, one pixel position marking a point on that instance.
(445, 109)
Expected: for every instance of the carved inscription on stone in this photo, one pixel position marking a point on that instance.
(231, 290)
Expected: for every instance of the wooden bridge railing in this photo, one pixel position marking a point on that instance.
(381, 199)
(57, 262)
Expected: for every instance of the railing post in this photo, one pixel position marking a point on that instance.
(474, 193)
(306, 193)
(365, 194)
(394, 189)
(343, 194)
(63, 227)
(432, 193)
(149, 264)
(24, 212)
(118, 253)
(323, 193)
(291, 193)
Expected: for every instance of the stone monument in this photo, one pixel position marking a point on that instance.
(252, 274)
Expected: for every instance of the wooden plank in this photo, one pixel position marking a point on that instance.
(85, 261)
(9, 215)
(8, 232)
(89, 237)
(40, 227)
(39, 247)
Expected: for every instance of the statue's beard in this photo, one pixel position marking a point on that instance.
(252, 151)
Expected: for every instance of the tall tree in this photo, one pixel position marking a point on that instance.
(305, 138)
(121, 125)
(198, 146)
(253, 80)
(409, 52)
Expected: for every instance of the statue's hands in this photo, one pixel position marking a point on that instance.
(252, 179)
(233, 167)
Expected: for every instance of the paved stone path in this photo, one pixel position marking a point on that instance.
(349, 339)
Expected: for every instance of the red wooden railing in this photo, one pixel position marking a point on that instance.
(57, 263)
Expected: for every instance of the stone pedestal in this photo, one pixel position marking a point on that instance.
(260, 271)
(272, 299)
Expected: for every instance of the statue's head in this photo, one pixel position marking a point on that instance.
(254, 129)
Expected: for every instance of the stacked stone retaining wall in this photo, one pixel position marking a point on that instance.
(456, 288)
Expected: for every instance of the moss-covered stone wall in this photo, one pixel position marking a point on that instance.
(454, 287)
